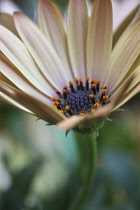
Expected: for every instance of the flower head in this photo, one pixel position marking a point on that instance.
(70, 72)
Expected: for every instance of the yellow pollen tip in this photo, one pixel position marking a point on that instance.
(96, 105)
(76, 80)
(104, 91)
(105, 97)
(61, 111)
(103, 87)
(64, 91)
(98, 82)
(93, 81)
(67, 107)
(92, 110)
(70, 82)
(53, 99)
(82, 113)
(87, 78)
(80, 80)
(93, 85)
(56, 103)
(91, 96)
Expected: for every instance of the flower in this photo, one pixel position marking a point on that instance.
(70, 74)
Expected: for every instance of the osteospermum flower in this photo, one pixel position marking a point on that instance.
(69, 73)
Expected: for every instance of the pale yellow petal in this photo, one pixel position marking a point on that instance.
(136, 79)
(129, 95)
(77, 21)
(99, 42)
(51, 22)
(134, 68)
(124, 25)
(123, 56)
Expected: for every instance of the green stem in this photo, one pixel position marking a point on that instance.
(90, 152)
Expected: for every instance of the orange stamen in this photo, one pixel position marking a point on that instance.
(67, 107)
(92, 110)
(82, 113)
(54, 99)
(93, 85)
(96, 105)
(61, 111)
(91, 96)
(103, 91)
(64, 91)
(70, 82)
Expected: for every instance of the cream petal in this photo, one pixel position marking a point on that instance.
(129, 95)
(115, 98)
(12, 73)
(123, 56)
(77, 21)
(51, 22)
(41, 109)
(136, 79)
(42, 51)
(124, 25)
(81, 121)
(99, 42)
(17, 53)
(7, 21)
(70, 123)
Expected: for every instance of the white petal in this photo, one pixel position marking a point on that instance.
(42, 51)
(17, 53)
(21, 82)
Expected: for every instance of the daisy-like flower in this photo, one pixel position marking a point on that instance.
(69, 73)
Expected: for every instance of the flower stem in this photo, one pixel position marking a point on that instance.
(89, 157)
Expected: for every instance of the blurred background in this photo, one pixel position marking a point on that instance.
(39, 165)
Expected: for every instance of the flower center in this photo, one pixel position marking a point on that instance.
(80, 99)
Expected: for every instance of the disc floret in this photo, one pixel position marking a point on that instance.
(81, 99)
